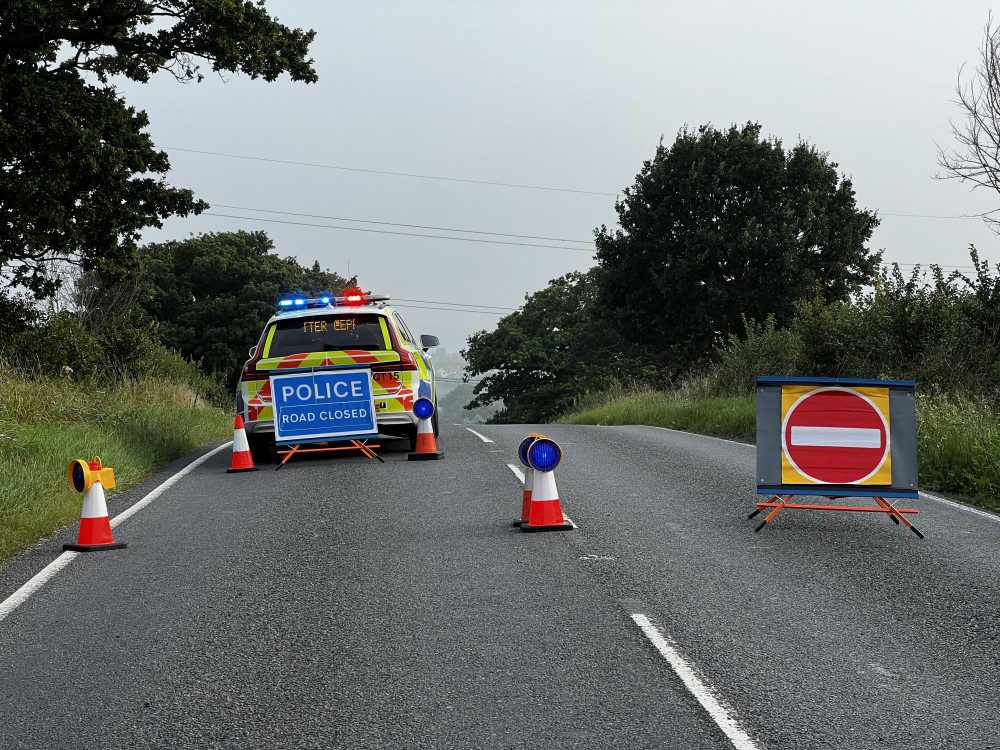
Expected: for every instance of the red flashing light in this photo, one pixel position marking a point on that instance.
(354, 297)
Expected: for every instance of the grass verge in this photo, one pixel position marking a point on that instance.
(136, 428)
(958, 439)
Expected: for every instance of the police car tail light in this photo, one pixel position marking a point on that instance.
(249, 371)
(407, 361)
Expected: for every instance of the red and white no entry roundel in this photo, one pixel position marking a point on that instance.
(835, 436)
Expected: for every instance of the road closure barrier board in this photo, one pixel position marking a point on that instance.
(322, 405)
(836, 437)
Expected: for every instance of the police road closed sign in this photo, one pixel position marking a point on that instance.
(837, 436)
(323, 405)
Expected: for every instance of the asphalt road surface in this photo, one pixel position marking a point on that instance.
(342, 602)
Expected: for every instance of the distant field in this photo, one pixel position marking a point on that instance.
(44, 424)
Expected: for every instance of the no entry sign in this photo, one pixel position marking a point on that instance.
(835, 436)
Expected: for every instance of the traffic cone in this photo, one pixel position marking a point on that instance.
(545, 511)
(95, 526)
(426, 444)
(242, 460)
(529, 483)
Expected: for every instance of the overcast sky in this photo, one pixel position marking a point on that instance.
(570, 96)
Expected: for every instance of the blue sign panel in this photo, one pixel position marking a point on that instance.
(323, 405)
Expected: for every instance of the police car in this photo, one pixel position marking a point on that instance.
(354, 329)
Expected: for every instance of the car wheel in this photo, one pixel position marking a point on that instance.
(262, 450)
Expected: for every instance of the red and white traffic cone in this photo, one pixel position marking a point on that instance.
(95, 526)
(545, 510)
(426, 449)
(242, 460)
(529, 483)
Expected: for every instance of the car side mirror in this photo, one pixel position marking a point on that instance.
(253, 351)
(429, 342)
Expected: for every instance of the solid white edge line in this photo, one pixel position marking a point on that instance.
(520, 477)
(155, 493)
(684, 432)
(962, 506)
(478, 435)
(719, 712)
(957, 505)
(43, 576)
(40, 578)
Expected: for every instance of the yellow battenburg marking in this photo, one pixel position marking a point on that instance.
(790, 397)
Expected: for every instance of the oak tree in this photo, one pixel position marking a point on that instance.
(722, 226)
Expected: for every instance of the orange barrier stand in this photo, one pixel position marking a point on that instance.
(356, 445)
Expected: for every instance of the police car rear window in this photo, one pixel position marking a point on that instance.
(327, 333)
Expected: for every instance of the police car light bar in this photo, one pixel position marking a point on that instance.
(351, 299)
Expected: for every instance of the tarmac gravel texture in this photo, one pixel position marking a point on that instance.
(341, 602)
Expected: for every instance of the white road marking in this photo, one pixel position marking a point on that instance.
(155, 493)
(836, 437)
(520, 477)
(43, 576)
(962, 506)
(720, 713)
(685, 432)
(481, 437)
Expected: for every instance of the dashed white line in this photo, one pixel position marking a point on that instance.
(478, 435)
(43, 576)
(720, 713)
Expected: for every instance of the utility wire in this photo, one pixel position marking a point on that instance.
(459, 304)
(411, 226)
(450, 309)
(391, 174)
(399, 234)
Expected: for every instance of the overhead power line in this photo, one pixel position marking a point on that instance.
(411, 226)
(929, 216)
(459, 304)
(398, 234)
(450, 309)
(391, 174)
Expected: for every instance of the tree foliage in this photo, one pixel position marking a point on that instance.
(211, 295)
(722, 226)
(539, 359)
(942, 331)
(79, 175)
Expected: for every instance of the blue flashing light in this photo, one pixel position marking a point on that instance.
(423, 408)
(286, 303)
(544, 454)
(299, 301)
(325, 300)
(522, 449)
